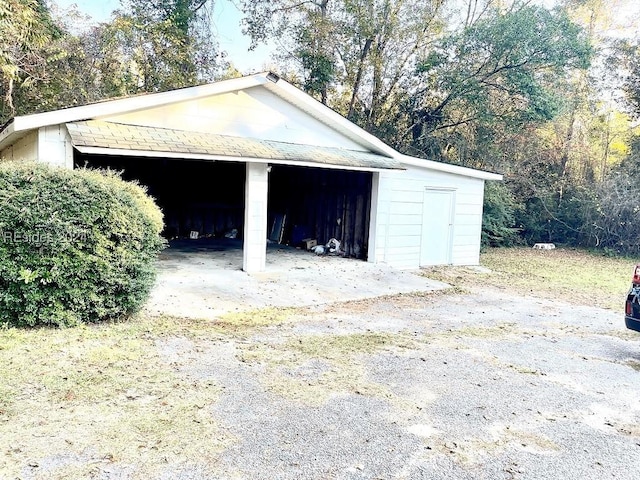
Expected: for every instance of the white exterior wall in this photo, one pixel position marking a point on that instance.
(398, 203)
(254, 113)
(55, 147)
(48, 144)
(255, 217)
(24, 149)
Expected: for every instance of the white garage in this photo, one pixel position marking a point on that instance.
(251, 153)
(428, 214)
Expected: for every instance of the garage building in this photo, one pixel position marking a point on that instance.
(257, 156)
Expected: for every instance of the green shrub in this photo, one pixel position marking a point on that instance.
(498, 216)
(75, 245)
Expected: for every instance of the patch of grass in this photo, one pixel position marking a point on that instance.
(338, 361)
(525, 370)
(341, 347)
(251, 319)
(457, 277)
(635, 364)
(575, 276)
(102, 395)
(626, 334)
(443, 292)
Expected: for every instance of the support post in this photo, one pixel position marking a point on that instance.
(372, 255)
(254, 249)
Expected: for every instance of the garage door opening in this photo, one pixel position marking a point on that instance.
(195, 196)
(320, 204)
(208, 197)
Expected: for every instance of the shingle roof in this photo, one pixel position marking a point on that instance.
(109, 135)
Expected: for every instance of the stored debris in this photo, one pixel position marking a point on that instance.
(332, 247)
(233, 233)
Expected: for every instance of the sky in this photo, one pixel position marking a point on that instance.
(226, 17)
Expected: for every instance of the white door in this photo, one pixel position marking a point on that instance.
(437, 227)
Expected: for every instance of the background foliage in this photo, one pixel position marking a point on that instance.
(76, 245)
(547, 96)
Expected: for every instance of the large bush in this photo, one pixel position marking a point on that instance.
(75, 245)
(498, 216)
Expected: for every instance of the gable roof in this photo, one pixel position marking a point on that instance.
(20, 126)
(123, 105)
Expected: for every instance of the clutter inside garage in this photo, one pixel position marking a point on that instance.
(308, 207)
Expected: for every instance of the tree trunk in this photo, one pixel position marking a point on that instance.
(358, 79)
(566, 148)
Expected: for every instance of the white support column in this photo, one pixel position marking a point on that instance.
(372, 255)
(255, 217)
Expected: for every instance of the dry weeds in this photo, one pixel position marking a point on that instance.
(574, 276)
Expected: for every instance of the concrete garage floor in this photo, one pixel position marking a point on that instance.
(204, 279)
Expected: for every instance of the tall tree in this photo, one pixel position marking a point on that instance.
(148, 46)
(384, 41)
(163, 44)
(25, 29)
(307, 32)
(355, 55)
(498, 72)
(626, 56)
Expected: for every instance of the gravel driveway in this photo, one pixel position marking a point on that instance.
(487, 384)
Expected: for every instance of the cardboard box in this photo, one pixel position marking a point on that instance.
(309, 243)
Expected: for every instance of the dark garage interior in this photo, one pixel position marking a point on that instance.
(322, 204)
(208, 197)
(194, 195)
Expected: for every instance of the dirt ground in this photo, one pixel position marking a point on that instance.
(480, 383)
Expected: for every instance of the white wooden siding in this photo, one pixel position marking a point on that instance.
(254, 112)
(24, 149)
(47, 144)
(55, 147)
(397, 215)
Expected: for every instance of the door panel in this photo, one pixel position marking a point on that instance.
(437, 227)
